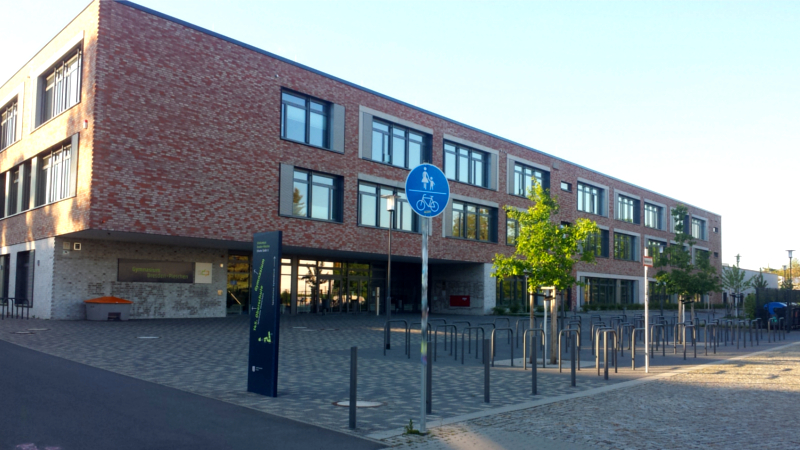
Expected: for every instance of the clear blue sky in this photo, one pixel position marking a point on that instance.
(699, 101)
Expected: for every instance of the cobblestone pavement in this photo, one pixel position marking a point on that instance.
(209, 357)
(749, 403)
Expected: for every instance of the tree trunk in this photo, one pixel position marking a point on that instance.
(554, 329)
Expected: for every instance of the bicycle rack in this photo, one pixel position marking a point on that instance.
(605, 332)
(759, 329)
(469, 338)
(525, 321)
(594, 327)
(453, 338)
(711, 328)
(387, 329)
(675, 334)
(494, 347)
(694, 340)
(569, 332)
(757, 324)
(621, 329)
(662, 338)
(578, 324)
(782, 325)
(633, 346)
(739, 334)
(533, 347)
(462, 321)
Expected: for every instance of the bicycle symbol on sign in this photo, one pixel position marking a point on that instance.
(427, 200)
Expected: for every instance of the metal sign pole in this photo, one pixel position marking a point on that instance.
(424, 346)
(646, 316)
(428, 193)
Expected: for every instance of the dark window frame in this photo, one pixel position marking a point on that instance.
(335, 198)
(624, 247)
(628, 209)
(392, 133)
(595, 241)
(512, 224)
(651, 210)
(472, 212)
(308, 109)
(380, 206)
(61, 95)
(55, 176)
(472, 157)
(701, 228)
(594, 194)
(568, 188)
(520, 187)
(9, 116)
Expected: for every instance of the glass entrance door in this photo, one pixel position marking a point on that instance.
(358, 294)
(331, 293)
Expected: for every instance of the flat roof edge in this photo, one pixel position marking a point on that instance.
(384, 96)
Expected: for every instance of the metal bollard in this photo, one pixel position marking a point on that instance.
(429, 376)
(487, 351)
(353, 385)
(572, 360)
(533, 363)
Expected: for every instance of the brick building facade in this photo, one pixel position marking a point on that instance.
(136, 136)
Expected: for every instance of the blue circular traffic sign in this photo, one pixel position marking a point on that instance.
(427, 190)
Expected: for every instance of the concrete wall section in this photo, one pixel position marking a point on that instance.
(92, 272)
(474, 280)
(42, 273)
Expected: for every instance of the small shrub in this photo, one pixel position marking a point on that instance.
(410, 428)
(514, 308)
(498, 310)
(750, 306)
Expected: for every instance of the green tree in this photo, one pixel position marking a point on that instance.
(758, 281)
(545, 252)
(688, 280)
(733, 279)
(784, 274)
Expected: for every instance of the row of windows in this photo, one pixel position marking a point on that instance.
(307, 120)
(47, 178)
(319, 196)
(59, 89)
(591, 200)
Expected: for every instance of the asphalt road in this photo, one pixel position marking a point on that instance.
(53, 403)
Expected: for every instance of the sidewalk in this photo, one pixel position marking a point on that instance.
(747, 403)
(209, 357)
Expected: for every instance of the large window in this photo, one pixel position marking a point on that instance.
(396, 145)
(624, 247)
(597, 243)
(698, 228)
(590, 199)
(474, 222)
(627, 209)
(609, 291)
(61, 86)
(304, 119)
(653, 216)
(466, 165)
(523, 179)
(8, 125)
(317, 196)
(655, 248)
(512, 231)
(372, 208)
(55, 177)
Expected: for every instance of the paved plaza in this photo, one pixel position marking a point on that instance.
(209, 357)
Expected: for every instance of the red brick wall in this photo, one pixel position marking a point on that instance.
(71, 214)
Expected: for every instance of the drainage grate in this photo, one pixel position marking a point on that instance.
(147, 337)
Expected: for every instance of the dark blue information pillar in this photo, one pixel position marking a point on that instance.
(265, 314)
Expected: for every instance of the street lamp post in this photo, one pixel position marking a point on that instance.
(390, 206)
(790, 270)
(784, 275)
